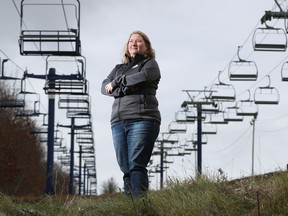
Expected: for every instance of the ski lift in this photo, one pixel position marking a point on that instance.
(217, 118)
(159, 144)
(211, 108)
(284, 71)
(222, 92)
(165, 137)
(15, 102)
(39, 130)
(209, 128)
(188, 146)
(269, 39)
(207, 104)
(185, 116)
(29, 112)
(242, 70)
(190, 149)
(247, 107)
(71, 84)
(85, 141)
(74, 102)
(230, 114)
(266, 94)
(66, 86)
(29, 102)
(175, 127)
(66, 65)
(3, 77)
(79, 114)
(176, 151)
(85, 138)
(63, 41)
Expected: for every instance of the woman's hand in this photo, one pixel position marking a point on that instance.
(108, 88)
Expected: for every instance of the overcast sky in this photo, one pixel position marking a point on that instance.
(193, 40)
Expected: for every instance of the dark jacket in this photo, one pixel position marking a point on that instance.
(134, 89)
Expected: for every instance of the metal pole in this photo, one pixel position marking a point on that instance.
(199, 138)
(71, 179)
(50, 148)
(80, 168)
(161, 165)
(253, 143)
(84, 180)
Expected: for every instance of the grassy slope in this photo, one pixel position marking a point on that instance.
(260, 195)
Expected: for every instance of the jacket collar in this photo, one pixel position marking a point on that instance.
(136, 60)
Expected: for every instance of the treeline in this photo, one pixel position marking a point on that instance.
(22, 155)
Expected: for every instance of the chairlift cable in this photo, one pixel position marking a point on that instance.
(273, 130)
(237, 140)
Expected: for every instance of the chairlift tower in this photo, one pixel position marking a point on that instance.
(73, 127)
(164, 138)
(198, 104)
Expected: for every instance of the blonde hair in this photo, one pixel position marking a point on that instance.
(149, 53)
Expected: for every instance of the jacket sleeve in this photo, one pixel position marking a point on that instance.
(149, 72)
(116, 88)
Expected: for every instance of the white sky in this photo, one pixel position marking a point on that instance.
(194, 40)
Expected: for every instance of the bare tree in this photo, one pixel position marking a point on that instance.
(22, 156)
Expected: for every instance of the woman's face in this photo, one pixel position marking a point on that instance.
(136, 45)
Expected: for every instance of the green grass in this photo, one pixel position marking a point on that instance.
(261, 195)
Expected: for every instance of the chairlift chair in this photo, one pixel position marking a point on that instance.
(284, 72)
(247, 107)
(189, 146)
(66, 65)
(64, 41)
(29, 112)
(269, 39)
(39, 130)
(79, 114)
(217, 118)
(208, 105)
(222, 92)
(74, 102)
(67, 87)
(35, 103)
(15, 102)
(242, 70)
(209, 128)
(185, 116)
(211, 108)
(165, 145)
(266, 95)
(230, 114)
(3, 76)
(176, 151)
(175, 127)
(166, 137)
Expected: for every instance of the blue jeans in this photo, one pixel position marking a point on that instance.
(133, 142)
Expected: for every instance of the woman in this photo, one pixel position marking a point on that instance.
(135, 118)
